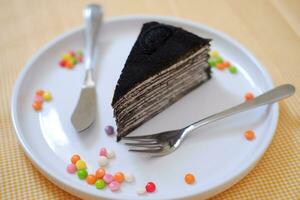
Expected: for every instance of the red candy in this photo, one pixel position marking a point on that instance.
(72, 53)
(62, 63)
(79, 58)
(150, 187)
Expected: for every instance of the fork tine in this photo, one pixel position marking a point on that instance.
(139, 139)
(146, 150)
(143, 144)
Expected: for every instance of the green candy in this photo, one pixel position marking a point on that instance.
(100, 184)
(212, 62)
(73, 60)
(79, 52)
(218, 60)
(82, 174)
(233, 69)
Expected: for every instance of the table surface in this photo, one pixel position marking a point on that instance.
(269, 28)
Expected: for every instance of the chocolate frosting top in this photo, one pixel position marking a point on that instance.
(157, 47)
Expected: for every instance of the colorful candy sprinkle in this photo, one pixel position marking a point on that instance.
(129, 177)
(67, 56)
(47, 96)
(108, 178)
(100, 173)
(71, 168)
(249, 96)
(232, 69)
(103, 161)
(110, 154)
(62, 63)
(101, 179)
(82, 174)
(189, 178)
(109, 130)
(100, 184)
(214, 53)
(249, 135)
(38, 99)
(40, 96)
(114, 186)
(69, 64)
(39, 92)
(91, 179)
(37, 106)
(70, 59)
(103, 152)
(220, 66)
(72, 53)
(212, 62)
(150, 187)
(75, 158)
(226, 64)
(80, 164)
(119, 177)
(217, 61)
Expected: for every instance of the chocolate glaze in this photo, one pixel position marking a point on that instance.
(157, 47)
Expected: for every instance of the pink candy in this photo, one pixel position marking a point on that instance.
(108, 178)
(38, 99)
(103, 152)
(114, 186)
(71, 168)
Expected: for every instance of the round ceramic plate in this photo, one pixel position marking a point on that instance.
(218, 154)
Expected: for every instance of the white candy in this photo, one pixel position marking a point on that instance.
(110, 154)
(141, 191)
(129, 177)
(103, 161)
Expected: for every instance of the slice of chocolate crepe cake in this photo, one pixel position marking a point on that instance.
(165, 63)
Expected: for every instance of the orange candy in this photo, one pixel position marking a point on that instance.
(75, 158)
(39, 93)
(37, 105)
(91, 179)
(226, 64)
(69, 64)
(249, 96)
(249, 135)
(189, 178)
(221, 66)
(100, 173)
(119, 176)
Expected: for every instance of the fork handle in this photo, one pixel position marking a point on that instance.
(274, 95)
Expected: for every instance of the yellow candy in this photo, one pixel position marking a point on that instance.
(214, 53)
(47, 96)
(80, 164)
(67, 56)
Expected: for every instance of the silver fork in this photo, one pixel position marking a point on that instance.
(167, 142)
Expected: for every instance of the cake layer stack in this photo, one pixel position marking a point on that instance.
(165, 63)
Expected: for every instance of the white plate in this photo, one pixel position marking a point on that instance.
(218, 154)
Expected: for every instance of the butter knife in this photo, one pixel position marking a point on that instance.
(85, 112)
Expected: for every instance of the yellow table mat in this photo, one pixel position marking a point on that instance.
(269, 28)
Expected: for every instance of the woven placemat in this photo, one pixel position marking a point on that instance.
(269, 29)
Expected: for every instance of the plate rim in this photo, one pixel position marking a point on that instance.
(74, 189)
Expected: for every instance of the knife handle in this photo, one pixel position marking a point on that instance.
(93, 14)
